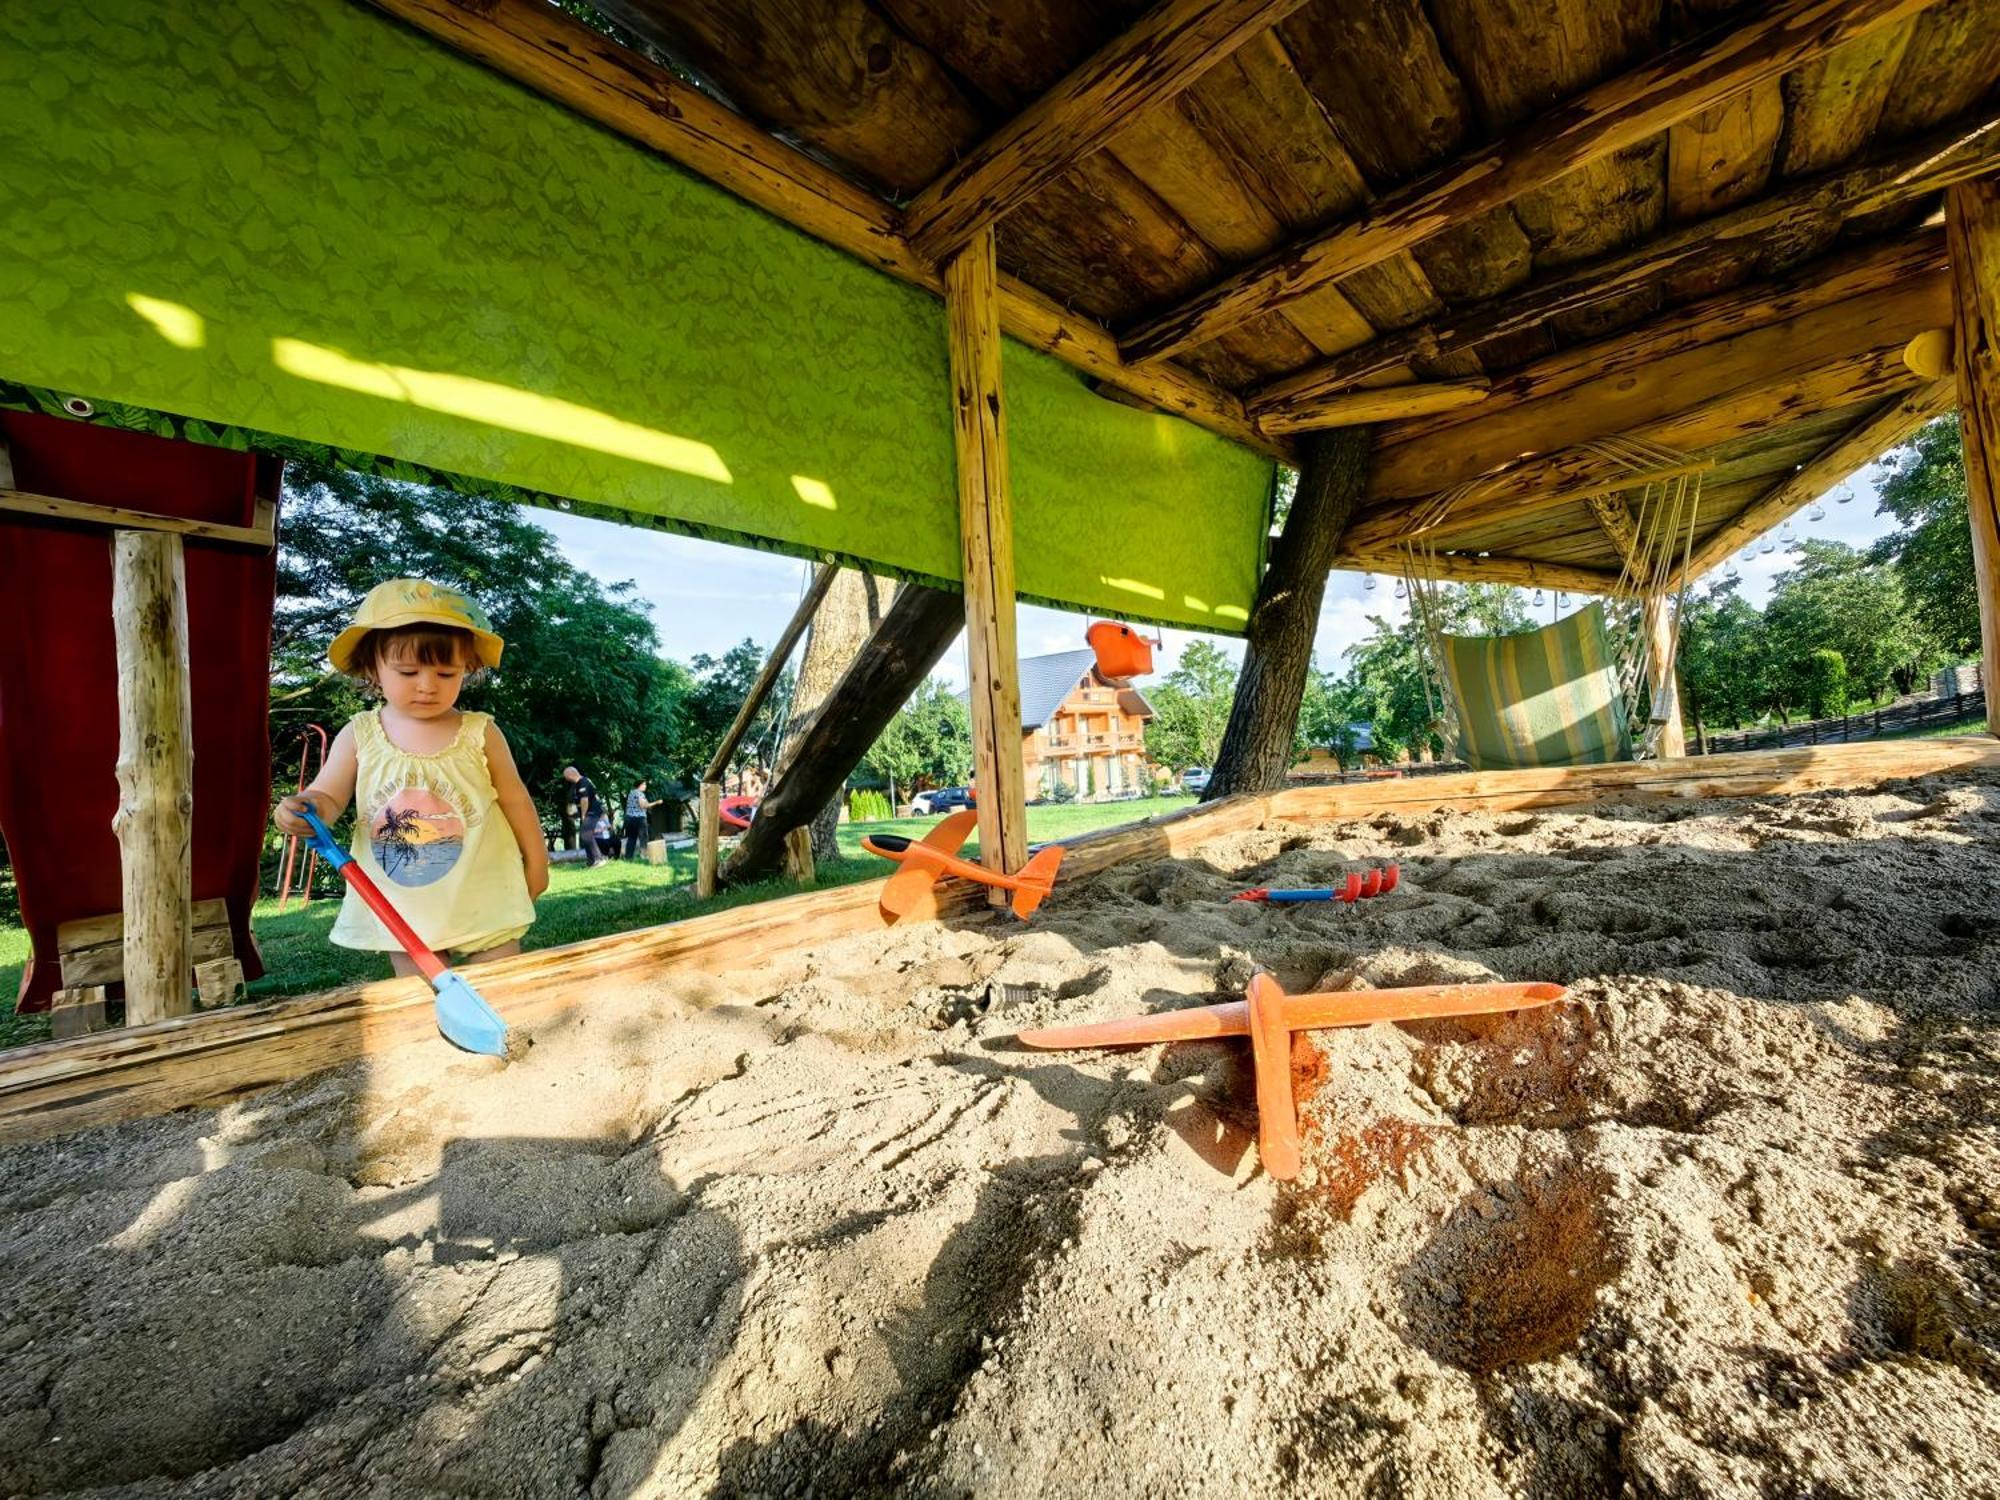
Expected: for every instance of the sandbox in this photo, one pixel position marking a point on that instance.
(1724, 1222)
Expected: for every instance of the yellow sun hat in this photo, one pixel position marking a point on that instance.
(412, 601)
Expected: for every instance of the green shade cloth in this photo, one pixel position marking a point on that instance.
(1546, 698)
(305, 221)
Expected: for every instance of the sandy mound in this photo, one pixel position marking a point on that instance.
(1725, 1223)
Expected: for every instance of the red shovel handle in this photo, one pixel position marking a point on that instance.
(428, 963)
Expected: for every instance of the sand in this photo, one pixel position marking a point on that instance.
(1723, 1223)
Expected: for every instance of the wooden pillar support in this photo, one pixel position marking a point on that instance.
(708, 839)
(1663, 692)
(1972, 236)
(155, 772)
(799, 855)
(986, 549)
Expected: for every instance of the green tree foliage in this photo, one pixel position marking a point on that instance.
(1826, 684)
(1838, 600)
(1724, 656)
(1932, 550)
(930, 740)
(581, 679)
(719, 685)
(1191, 708)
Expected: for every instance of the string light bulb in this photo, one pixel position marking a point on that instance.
(1540, 598)
(1368, 582)
(1817, 513)
(1399, 588)
(1844, 494)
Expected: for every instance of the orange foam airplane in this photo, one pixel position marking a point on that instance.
(911, 891)
(1268, 1016)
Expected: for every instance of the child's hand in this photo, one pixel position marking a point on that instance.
(538, 881)
(289, 815)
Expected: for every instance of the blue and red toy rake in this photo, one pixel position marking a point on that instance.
(463, 1015)
(1359, 886)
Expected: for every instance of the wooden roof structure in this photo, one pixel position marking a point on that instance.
(1529, 240)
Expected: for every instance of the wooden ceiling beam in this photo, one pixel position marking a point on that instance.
(1867, 440)
(1646, 374)
(1910, 171)
(1171, 46)
(1467, 567)
(1554, 479)
(1620, 112)
(1382, 403)
(562, 59)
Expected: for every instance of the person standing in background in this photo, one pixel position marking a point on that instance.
(589, 808)
(637, 805)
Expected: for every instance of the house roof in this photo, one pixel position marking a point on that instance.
(1047, 680)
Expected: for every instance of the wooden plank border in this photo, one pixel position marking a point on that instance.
(55, 1087)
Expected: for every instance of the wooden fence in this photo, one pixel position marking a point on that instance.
(1913, 713)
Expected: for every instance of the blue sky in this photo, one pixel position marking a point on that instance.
(706, 597)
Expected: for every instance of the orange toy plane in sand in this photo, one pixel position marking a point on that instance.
(1268, 1016)
(911, 891)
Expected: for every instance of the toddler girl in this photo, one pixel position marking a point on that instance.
(444, 825)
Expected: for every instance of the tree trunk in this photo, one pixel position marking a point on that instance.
(1264, 717)
(915, 634)
(852, 609)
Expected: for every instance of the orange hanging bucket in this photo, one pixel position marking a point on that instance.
(1121, 650)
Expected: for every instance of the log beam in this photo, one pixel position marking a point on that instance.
(1620, 112)
(986, 552)
(1386, 403)
(1264, 713)
(1972, 221)
(897, 657)
(1614, 518)
(1817, 205)
(56, 508)
(1743, 339)
(535, 44)
(1867, 440)
(1467, 567)
(1171, 46)
(1573, 474)
(155, 773)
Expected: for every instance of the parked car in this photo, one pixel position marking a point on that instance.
(1195, 779)
(942, 799)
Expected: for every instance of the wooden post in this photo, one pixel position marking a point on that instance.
(986, 549)
(155, 772)
(1972, 238)
(708, 839)
(1663, 693)
(799, 855)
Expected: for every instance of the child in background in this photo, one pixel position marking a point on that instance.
(444, 825)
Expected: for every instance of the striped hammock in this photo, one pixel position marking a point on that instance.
(1547, 698)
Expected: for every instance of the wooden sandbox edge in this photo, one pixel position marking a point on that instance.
(52, 1088)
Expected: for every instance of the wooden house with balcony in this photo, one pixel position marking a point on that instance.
(1080, 729)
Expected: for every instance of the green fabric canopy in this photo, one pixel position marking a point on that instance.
(305, 221)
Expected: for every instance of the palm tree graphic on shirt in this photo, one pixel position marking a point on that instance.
(417, 837)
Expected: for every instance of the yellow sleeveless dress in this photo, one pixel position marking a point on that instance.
(429, 832)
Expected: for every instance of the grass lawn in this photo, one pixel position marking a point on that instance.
(579, 904)
(1974, 725)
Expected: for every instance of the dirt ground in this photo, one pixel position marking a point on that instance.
(1723, 1223)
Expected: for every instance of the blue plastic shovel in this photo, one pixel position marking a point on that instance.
(464, 1017)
